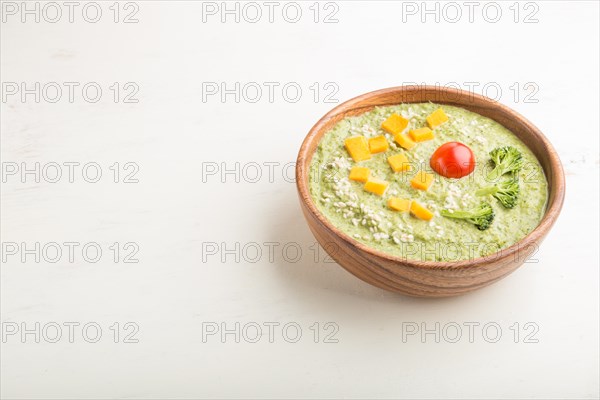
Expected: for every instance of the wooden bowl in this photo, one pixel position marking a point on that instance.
(427, 278)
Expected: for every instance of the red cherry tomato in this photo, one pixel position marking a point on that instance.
(453, 160)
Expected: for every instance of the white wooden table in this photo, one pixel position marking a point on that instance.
(209, 283)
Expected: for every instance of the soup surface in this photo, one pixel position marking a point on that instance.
(392, 195)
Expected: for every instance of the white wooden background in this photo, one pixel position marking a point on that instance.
(173, 212)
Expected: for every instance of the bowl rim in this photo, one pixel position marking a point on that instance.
(554, 202)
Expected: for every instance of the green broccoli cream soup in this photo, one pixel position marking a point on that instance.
(428, 182)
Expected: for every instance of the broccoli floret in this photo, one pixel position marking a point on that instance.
(506, 159)
(481, 216)
(506, 192)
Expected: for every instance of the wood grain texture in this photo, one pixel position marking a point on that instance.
(426, 278)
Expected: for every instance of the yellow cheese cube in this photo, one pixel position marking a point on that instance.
(404, 141)
(420, 212)
(399, 204)
(421, 134)
(360, 174)
(394, 124)
(436, 118)
(399, 163)
(358, 148)
(378, 144)
(377, 186)
(422, 180)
